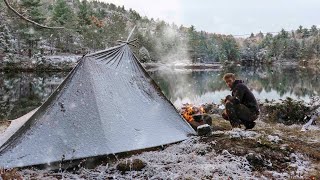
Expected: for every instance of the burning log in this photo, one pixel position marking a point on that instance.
(196, 116)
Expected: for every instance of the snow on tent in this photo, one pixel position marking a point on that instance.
(107, 104)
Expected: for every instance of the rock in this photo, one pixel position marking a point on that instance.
(203, 118)
(131, 165)
(255, 161)
(4, 125)
(207, 119)
(204, 130)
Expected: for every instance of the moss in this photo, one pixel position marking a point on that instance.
(312, 150)
(128, 165)
(219, 124)
(260, 153)
(10, 174)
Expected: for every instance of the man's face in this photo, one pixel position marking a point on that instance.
(229, 81)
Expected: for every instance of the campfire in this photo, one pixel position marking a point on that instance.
(188, 111)
(197, 118)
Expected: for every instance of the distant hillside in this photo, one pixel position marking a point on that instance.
(94, 25)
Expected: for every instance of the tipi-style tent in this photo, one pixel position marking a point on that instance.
(108, 104)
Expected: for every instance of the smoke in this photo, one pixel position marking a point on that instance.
(173, 46)
(170, 46)
(166, 44)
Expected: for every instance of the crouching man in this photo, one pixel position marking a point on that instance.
(241, 107)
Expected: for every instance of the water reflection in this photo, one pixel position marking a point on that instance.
(200, 87)
(22, 92)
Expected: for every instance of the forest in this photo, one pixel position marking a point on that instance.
(92, 25)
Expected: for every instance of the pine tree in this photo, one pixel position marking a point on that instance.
(300, 29)
(314, 31)
(84, 13)
(33, 10)
(5, 39)
(30, 34)
(284, 34)
(316, 46)
(62, 13)
(230, 48)
(305, 33)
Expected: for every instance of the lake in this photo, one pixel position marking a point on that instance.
(272, 83)
(22, 92)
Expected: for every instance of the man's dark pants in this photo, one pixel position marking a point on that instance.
(239, 114)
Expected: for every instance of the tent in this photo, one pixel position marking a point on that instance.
(108, 104)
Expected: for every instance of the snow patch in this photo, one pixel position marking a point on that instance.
(62, 58)
(188, 159)
(239, 133)
(297, 161)
(274, 139)
(300, 167)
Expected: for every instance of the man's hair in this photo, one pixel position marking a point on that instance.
(229, 75)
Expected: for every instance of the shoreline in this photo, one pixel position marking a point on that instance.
(66, 66)
(66, 62)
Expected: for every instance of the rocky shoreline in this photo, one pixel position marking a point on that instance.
(39, 63)
(65, 62)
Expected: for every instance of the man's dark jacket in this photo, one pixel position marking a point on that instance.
(244, 96)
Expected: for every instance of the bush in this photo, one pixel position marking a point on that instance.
(288, 112)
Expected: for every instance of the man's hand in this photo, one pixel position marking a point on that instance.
(228, 99)
(231, 99)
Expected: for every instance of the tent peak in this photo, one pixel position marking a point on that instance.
(129, 42)
(128, 39)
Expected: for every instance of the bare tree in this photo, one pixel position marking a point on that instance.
(28, 20)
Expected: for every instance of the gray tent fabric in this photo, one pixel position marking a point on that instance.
(107, 104)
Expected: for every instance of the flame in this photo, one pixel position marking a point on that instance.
(188, 110)
(202, 110)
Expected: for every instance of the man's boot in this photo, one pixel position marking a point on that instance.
(249, 125)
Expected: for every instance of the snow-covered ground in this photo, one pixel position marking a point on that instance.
(202, 158)
(269, 151)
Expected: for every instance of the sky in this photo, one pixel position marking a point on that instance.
(236, 17)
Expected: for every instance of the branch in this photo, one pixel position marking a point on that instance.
(26, 19)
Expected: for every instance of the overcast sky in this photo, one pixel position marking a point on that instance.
(230, 16)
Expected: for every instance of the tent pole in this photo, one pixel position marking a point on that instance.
(131, 33)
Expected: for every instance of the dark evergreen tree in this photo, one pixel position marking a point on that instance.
(314, 31)
(62, 13)
(32, 35)
(84, 13)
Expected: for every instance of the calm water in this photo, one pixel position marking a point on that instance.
(23, 92)
(198, 87)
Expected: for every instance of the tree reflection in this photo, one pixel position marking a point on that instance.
(284, 81)
(22, 92)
